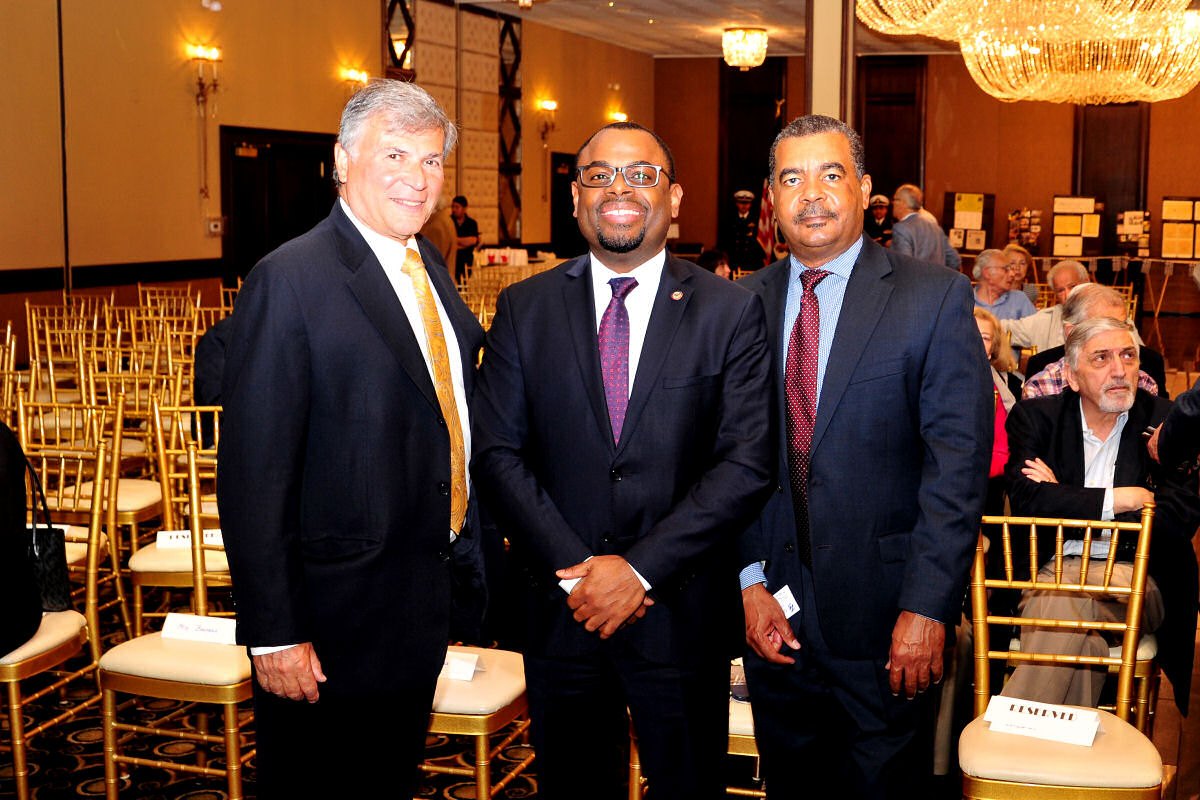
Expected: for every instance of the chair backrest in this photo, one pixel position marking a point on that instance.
(176, 429)
(1025, 545)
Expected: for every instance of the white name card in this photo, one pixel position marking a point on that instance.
(177, 540)
(1043, 720)
(217, 630)
(459, 666)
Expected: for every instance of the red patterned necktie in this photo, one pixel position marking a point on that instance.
(800, 385)
(614, 353)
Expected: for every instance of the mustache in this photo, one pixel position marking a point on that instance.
(1117, 383)
(816, 208)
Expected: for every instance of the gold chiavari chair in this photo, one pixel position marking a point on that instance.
(479, 708)
(61, 635)
(167, 299)
(192, 672)
(229, 295)
(90, 304)
(1122, 762)
(176, 429)
(104, 387)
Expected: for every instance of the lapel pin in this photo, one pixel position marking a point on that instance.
(676, 295)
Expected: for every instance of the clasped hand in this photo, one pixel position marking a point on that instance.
(608, 596)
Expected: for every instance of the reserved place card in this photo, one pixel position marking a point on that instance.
(1043, 720)
(217, 630)
(173, 540)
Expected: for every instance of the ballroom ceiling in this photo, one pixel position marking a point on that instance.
(668, 28)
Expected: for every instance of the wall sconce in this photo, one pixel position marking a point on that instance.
(355, 78)
(206, 85)
(547, 107)
(618, 116)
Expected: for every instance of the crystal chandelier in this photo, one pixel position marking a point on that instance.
(1159, 65)
(1059, 51)
(744, 47)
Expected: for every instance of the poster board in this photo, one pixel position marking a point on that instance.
(1181, 219)
(967, 219)
(1025, 227)
(1133, 233)
(1076, 225)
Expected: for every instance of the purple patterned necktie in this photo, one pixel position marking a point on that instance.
(800, 386)
(614, 353)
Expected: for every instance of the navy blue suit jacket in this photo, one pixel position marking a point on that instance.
(334, 465)
(900, 453)
(692, 468)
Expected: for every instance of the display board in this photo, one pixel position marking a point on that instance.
(1025, 228)
(1076, 221)
(1181, 217)
(967, 218)
(1133, 233)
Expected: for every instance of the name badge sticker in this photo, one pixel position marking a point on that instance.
(787, 602)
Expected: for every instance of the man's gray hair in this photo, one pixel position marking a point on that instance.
(1085, 298)
(1082, 333)
(813, 124)
(407, 108)
(1080, 271)
(910, 194)
(984, 257)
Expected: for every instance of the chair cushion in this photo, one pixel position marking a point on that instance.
(741, 721)
(152, 656)
(153, 558)
(133, 494)
(56, 628)
(77, 551)
(1120, 757)
(499, 683)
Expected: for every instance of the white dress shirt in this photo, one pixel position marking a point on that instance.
(1099, 472)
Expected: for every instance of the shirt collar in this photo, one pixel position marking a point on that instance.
(647, 273)
(385, 248)
(1117, 427)
(841, 266)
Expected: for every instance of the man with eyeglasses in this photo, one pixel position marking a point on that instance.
(992, 292)
(624, 437)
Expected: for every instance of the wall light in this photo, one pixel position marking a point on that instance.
(357, 77)
(547, 109)
(206, 59)
(618, 116)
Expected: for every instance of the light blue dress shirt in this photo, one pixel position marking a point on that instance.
(831, 291)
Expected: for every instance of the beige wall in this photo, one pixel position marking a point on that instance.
(133, 135)
(1021, 152)
(577, 73)
(1174, 158)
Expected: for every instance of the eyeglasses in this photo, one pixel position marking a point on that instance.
(638, 176)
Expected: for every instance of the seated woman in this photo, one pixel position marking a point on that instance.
(1006, 386)
(1022, 260)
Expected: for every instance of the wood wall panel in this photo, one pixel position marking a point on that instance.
(689, 127)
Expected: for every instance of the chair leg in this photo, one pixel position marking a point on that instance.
(483, 768)
(1143, 703)
(16, 724)
(118, 583)
(137, 609)
(635, 771)
(109, 715)
(233, 752)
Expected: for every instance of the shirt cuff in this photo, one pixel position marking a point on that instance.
(262, 651)
(752, 574)
(1107, 511)
(568, 584)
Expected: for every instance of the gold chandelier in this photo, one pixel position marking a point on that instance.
(744, 47)
(1160, 65)
(1077, 51)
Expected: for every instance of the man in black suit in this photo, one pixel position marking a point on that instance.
(342, 479)
(883, 462)
(1085, 301)
(622, 444)
(1080, 455)
(1177, 440)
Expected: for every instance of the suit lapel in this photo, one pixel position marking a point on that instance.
(867, 293)
(375, 294)
(580, 311)
(665, 316)
(774, 297)
(1071, 436)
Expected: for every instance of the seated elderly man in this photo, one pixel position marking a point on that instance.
(1047, 369)
(1080, 455)
(993, 292)
(1044, 330)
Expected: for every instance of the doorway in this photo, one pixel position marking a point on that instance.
(275, 185)
(565, 238)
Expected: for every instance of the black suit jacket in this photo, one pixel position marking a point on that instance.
(900, 453)
(1180, 437)
(334, 465)
(691, 470)
(1152, 364)
(1050, 428)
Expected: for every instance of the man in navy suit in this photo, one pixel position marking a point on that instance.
(866, 543)
(342, 480)
(623, 439)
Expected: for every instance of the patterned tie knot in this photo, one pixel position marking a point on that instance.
(621, 287)
(412, 263)
(811, 277)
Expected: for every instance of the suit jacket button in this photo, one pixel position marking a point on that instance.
(443, 555)
(606, 538)
(779, 488)
(789, 548)
(443, 488)
(615, 474)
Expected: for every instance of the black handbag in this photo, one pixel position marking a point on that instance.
(48, 552)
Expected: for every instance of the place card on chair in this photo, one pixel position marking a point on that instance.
(169, 540)
(459, 666)
(1056, 723)
(217, 630)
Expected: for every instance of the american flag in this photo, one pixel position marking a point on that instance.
(766, 225)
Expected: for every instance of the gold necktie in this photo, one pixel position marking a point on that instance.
(414, 268)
